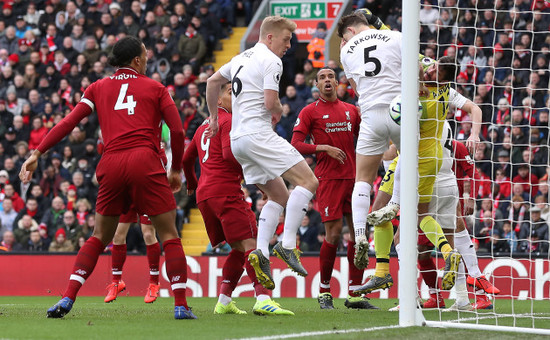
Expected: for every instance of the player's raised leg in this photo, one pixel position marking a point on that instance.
(366, 168)
(305, 184)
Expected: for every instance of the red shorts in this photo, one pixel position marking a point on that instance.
(334, 198)
(133, 177)
(131, 217)
(423, 240)
(228, 219)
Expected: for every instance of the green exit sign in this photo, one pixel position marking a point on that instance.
(308, 10)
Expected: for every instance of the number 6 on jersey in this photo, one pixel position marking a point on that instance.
(129, 105)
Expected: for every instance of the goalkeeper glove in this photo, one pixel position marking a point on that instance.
(372, 19)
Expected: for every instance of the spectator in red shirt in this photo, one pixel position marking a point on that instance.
(38, 132)
(527, 179)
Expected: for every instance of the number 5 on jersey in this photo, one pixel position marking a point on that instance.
(129, 105)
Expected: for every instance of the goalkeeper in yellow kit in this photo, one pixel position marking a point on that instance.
(435, 75)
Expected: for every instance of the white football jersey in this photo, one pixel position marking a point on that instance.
(456, 100)
(446, 177)
(251, 72)
(372, 59)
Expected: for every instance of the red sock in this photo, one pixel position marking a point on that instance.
(326, 262)
(429, 272)
(258, 288)
(153, 257)
(231, 272)
(355, 274)
(118, 257)
(84, 264)
(176, 268)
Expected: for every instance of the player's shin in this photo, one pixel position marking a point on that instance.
(118, 257)
(267, 224)
(460, 286)
(326, 264)
(360, 204)
(435, 234)
(466, 248)
(153, 258)
(84, 265)
(296, 209)
(176, 268)
(383, 238)
(231, 274)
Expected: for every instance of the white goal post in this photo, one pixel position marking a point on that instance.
(409, 314)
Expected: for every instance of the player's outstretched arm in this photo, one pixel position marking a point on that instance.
(56, 134)
(475, 113)
(213, 88)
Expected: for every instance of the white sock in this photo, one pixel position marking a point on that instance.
(296, 208)
(224, 299)
(360, 204)
(398, 251)
(460, 285)
(465, 247)
(396, 195)
(387, 164)
(262, 297)
(267, 224)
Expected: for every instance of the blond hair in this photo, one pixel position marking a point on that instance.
(275, 24)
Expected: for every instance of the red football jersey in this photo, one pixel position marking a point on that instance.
(221, 174)
(464, 169)
(332, 123)
(130, 107)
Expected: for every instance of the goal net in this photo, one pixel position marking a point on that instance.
(502, 52)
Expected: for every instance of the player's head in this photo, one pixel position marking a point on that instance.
(326, 82)
(442, 71)
(224, 99)
(129, 51)
(276, 33)
(350, 25)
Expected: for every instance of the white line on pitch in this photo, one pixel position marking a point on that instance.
(306, 334)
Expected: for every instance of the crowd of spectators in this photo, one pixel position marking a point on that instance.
(50, 51)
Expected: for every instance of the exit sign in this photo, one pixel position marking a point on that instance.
(307, 14)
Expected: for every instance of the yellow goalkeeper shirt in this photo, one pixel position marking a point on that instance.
(436, 106)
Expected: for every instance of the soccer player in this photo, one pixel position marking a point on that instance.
(118, 256)
(226, 214)
(372, 63)
(333, 126)
(265, 157)
(130, 107)
(436, 77)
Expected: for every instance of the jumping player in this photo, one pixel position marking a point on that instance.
(265, 157)
(226, 214)
(436, 77)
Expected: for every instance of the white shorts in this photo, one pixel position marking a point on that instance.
(443, 206)
(376, 130)
(264, 156)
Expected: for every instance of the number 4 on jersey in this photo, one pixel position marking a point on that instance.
(129, 105)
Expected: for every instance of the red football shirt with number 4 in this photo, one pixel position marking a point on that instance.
(127, 123)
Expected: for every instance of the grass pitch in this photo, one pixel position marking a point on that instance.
(131, 318)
